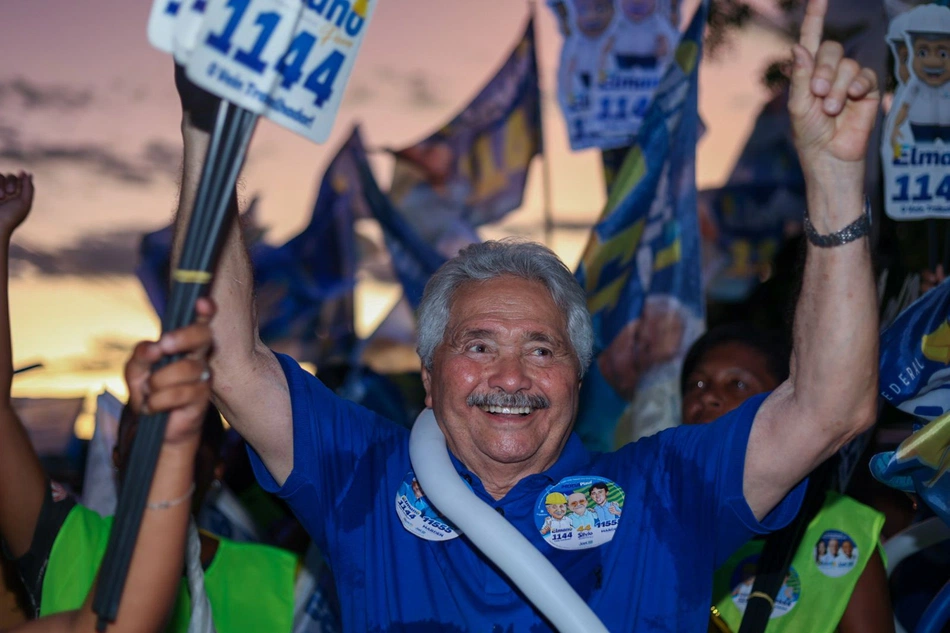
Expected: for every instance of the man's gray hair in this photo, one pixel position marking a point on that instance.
(488, 260)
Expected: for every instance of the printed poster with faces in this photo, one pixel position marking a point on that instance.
(288, 60)
(915, 145)
(613, 57)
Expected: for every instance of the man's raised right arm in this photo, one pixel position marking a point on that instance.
(250, 389)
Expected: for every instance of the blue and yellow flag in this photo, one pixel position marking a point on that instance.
(304, 288)
(915, 377)
(920, 466)
(915, 356)
(473, 170)
(641, 267)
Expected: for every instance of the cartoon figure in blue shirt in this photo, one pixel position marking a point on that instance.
(581, 518)
(606, 511)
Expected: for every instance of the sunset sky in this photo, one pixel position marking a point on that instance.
(91, 110)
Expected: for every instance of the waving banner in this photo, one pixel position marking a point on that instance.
(920, 465)
(614, 55)
(288, 60)
(303, 288)
(915, 148)
(915, 356)
(473, 170)
(641, 267)
(413, 259)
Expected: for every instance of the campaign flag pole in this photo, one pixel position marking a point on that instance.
(203, 239)
(282, 64)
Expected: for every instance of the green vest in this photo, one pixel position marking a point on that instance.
(250, 586)
(822, 576)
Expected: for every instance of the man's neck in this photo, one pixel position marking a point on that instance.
(499, 479)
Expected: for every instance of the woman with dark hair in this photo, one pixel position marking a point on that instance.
(725, 367)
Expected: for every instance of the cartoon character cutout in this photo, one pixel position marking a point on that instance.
(588, 24)
(915, 148)
(926, 103)
(644, 38)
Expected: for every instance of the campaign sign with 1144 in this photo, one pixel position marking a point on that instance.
(288, 60)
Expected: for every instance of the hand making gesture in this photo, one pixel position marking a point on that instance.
(16, 198)
(833, 104)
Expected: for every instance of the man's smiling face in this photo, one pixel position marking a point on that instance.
(932, 59)
(556, 510)
(504, 380)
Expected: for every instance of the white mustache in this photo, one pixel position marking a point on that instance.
(510, 400)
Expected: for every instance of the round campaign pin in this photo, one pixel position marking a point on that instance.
(418, 516)
(835, 553)
(743, 578)
(579, 512)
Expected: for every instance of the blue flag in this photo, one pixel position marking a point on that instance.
(413, 259)
(304, 288)
(920, 465)
(915, 377)
(473, 170)
(915, 356)
(641, 267)
(153, 269)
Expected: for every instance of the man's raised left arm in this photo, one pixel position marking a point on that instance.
(831, 394)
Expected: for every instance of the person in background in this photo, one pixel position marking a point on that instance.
(55, 542)
(723, 368)
(182, 389)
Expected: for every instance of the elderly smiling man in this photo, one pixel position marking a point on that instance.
(504, 341)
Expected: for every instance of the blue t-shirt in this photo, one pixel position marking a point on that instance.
(683, 514)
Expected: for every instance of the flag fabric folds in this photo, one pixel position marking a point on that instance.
(641, 267)
(920, 465)
(413, 259)
(915, 377)
(304, 288)
(915, 356)
(473, 170)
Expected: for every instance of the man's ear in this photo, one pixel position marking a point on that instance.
(427, 383)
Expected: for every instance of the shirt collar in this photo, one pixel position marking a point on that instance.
(573, 457)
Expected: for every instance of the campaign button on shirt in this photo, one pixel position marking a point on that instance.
(420, 517)
(835, 553)
(743, 579)
(579, 512)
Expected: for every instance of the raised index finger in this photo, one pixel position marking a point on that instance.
(813, 24)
